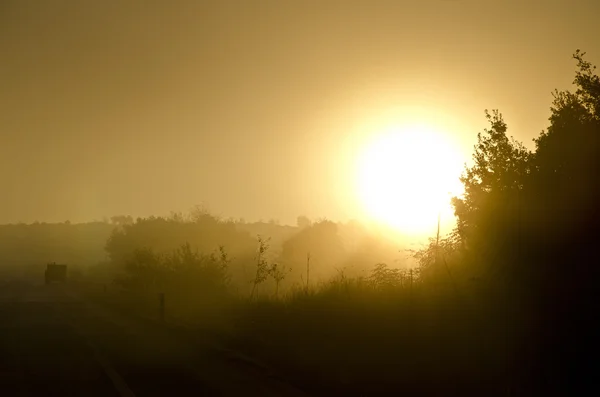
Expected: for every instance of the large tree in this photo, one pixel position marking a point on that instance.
(563, 201)
(534, 217)
(488, 215)
(566, 158)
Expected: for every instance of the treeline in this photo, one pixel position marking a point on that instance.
(103, 250)
(266, 263)
(527, 228)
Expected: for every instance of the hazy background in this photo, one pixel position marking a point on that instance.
(255, 107)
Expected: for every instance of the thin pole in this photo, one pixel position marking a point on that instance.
(307, 270)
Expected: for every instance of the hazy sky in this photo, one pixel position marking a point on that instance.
(143, 107)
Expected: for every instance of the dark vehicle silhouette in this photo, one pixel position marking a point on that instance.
(55, 273)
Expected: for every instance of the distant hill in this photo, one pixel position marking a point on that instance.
(29, 247)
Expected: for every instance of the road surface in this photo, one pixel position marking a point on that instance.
(54, 343)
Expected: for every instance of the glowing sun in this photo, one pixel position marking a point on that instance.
(406, 176)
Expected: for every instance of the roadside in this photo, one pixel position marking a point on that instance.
(228, 370)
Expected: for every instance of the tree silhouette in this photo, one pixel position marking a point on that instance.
(278, 273)
(531, 220)
(262, 266)
(491, 184)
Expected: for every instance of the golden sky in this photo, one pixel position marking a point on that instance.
(258, 107)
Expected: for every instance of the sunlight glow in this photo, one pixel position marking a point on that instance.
(406, 176)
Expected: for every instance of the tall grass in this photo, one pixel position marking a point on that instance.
(355, 337)
(392, 330)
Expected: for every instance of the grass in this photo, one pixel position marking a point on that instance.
(346, 338)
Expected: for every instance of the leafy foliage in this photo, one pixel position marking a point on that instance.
(183, 268)
(382, 277)
(492, 185)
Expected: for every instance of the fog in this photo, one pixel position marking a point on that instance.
(254, 109)
(300, 198)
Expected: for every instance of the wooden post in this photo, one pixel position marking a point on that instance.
(161, 298)
(307, 270)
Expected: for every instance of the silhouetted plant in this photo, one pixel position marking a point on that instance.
(262, 267)
(278, 273)
(382, 277)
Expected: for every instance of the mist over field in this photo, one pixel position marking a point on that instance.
(299, 198)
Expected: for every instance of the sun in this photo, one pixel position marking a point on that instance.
(406, 176)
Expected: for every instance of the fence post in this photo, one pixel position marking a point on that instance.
(161, 313)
